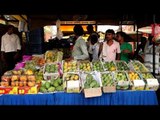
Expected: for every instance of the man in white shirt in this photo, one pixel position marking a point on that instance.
(79, 51)
(111, 48)
(148, 58)
(10, 48)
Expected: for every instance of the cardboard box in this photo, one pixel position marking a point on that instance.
(110, 85)
(152, 84)
(138, 85)
(70, 84)
(121, 83)
(92, 92)
(8, 90)
(73, 86)
(49, 76)
(109, 89)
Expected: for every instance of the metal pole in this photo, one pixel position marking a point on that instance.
(137, 38)
(154, 16)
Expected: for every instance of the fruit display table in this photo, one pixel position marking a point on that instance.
(118, 98)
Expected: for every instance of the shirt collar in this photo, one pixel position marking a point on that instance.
(80, 37)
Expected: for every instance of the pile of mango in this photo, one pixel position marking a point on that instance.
(147, 76)
(133, 76)
(120, 76)
(122, 66)
(139, 67)
(109, 66)
(90, 82)
(52, 85)
(71, 77)
(107, 79)
(85, 66)
(97, 66)
(51, 68)
(51, 56)
(70, 66)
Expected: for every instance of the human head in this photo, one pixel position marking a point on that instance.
(90, 29)
(78, 30)
(109, 35)
(10, 29)
(143, 40)
(94, 39)
(121, 36)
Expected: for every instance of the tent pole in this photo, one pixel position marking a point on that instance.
(154, 21)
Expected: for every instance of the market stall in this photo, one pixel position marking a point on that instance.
(47, 79)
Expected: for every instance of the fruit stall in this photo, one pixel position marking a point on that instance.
(47, 79)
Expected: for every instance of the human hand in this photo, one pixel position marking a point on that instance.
(125, 51)
(16, 56)
(3, 59)
(69, 59)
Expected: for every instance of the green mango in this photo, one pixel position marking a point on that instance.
(55, 83)
(93, 83)
(51, 89)
(47, 85)
(59, 88)
(60, 81)
(43, 89)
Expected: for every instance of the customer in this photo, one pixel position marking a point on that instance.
(110, 48)
(79, 51)
(125, 47)
(91, 32)
(148, 57)
(10, 48)
(95, 47)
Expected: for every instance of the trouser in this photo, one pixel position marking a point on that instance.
(9, 57)
(90, 57)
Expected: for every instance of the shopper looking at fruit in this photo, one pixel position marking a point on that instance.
(110, 48)
(10, 48)
(91, 32)
(95, 47)
(125, 47)
(79, 51)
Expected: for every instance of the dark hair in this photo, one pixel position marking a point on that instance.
(78, 30)
(94, 38)
(89, 27)
(124, 35)
(110, 31)
(9, 27)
